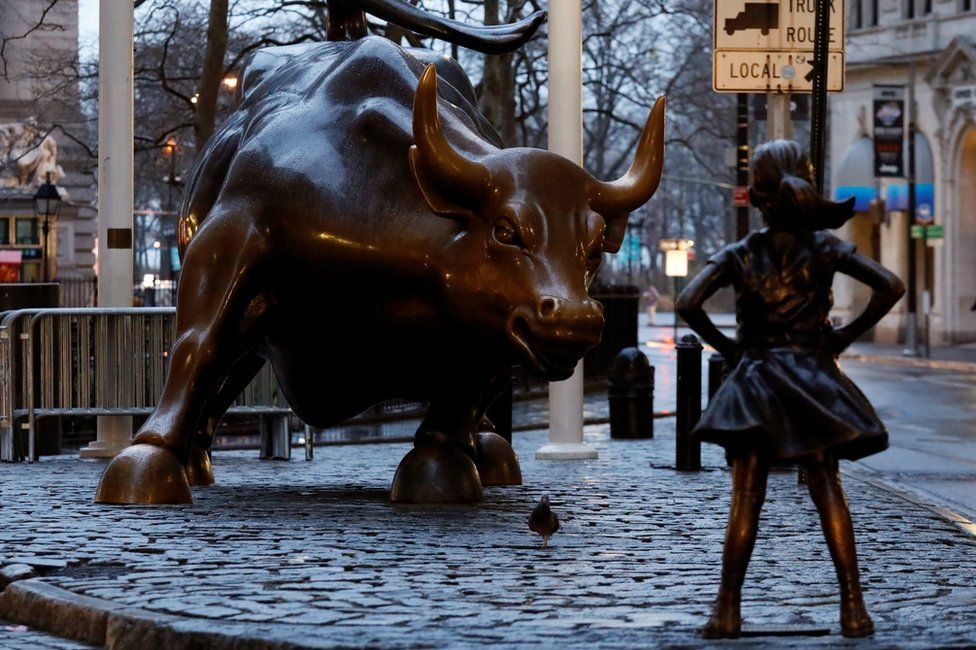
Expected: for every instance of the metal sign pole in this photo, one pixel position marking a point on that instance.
(742, 161)
(911, 321)
(818, 124)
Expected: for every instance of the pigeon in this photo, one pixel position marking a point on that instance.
(543, 521)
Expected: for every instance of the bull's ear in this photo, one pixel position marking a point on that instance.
(439, 202)
(613, 237)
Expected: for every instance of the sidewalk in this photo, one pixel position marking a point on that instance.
(312, 554)
(960, 357)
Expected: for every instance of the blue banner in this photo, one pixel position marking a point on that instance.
(863, 195)
(897, 199)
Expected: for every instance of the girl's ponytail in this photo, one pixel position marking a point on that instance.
(798, 194)
(782, 190)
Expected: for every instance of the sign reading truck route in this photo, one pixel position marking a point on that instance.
(768, 46)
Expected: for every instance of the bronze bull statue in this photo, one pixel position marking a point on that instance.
(356, 224)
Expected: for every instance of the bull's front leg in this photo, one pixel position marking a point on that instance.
(218, 316)
(441, 467)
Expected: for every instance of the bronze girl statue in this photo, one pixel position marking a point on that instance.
(786, 400)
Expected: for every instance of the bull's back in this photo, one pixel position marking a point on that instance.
(315, 124)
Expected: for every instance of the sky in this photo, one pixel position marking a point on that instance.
(88, 26)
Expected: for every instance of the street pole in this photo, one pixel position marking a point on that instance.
(911, 321)
(566, 139)
(115, 216)
(818, 125)
(676, 311)
(742, 161)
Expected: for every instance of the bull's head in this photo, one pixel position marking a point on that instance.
(533, 229)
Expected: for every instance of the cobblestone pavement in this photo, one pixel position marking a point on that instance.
(314, 552)
(21, 636)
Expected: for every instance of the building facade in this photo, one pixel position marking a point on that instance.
(892, 42)
(39, 113)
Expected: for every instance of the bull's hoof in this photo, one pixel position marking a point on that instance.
(436, 474)
(144, 474)
(198, 469)
(497, 462)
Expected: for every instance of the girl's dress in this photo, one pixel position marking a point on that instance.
(787, 395)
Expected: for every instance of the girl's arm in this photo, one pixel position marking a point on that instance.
(689, 306)
(888, 289)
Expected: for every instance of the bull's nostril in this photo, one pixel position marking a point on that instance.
(547, 306)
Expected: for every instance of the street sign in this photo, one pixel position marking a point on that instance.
(676, 263)
(931, 232)
(889, 131)
(923, 214)
(768, 46)
(740, 196)
(786, 25)
(780, 72)
(675, 244)
(677, 252)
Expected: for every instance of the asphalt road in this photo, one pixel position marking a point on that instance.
(931, 417)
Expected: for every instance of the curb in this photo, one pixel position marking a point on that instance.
(912, 362)
(101, 622)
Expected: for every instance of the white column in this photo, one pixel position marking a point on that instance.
(115, 158)
(566, 139)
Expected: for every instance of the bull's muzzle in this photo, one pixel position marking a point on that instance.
(553, 336)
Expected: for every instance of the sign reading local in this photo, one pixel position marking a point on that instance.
(768, 46)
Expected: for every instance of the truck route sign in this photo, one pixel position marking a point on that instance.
(767, 46)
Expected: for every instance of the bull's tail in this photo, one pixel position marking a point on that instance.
(347, 21)
(207, 178)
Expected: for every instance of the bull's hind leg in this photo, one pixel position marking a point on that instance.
(217, 318)
(496, 460)
(199, 470)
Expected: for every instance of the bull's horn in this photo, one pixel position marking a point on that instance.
(490, 39)
(640, 182)
(433, 155)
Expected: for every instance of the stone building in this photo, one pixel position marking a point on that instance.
(36, 95)
(886, 39)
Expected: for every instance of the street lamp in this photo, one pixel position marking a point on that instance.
(47, 206)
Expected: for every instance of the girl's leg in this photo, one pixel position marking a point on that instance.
(835, 518)
(749, 472)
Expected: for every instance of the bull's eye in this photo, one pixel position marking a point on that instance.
(505, 233)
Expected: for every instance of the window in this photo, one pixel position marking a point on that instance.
(909, 9)
(26, 232)
(967, 5)
(4, 231)
(926, 7)
(873, 19)
(858, 14)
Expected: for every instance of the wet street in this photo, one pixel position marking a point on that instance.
(930, 416)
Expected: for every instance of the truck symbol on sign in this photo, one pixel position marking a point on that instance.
(763, 16)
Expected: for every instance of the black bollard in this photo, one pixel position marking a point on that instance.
(717, 371)
(687, 452)
(631, 395)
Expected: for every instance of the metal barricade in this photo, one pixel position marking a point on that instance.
(70, 362)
